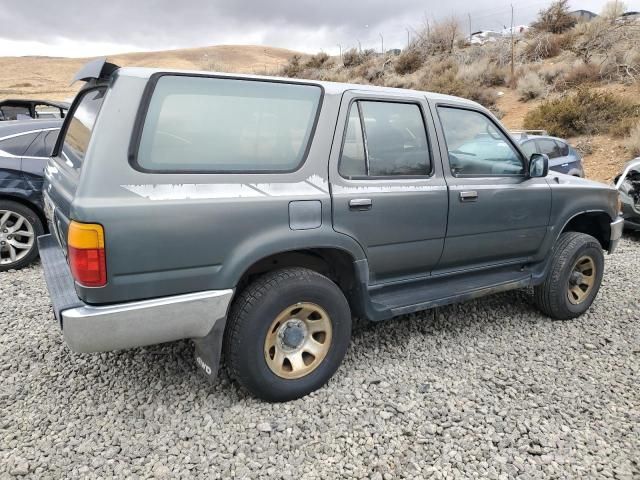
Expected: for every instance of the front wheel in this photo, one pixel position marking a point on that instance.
(287, 334)
(19, 228)
(574, 277)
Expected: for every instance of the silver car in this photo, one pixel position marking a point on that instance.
(563, 157)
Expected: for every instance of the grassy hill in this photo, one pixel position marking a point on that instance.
(49, 77)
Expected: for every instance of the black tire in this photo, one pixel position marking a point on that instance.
(552, 296)
(251, 317)
(38, 229)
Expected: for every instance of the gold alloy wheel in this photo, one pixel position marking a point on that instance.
(581, 280)
(298, 340)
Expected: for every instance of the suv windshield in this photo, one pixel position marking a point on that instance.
(78, 134)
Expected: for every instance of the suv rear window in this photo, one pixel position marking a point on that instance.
(78, 133)
(204, 124)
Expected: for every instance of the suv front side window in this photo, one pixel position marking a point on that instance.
(476, 145)
(385, 139)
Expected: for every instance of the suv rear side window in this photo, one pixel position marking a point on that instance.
(393, 141)
(78, 133)
(227, 125)
(549, 147)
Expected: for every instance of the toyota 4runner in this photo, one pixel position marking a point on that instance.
(257, 215)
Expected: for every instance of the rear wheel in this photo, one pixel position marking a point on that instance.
(574, 278)
(19, 228)
(287, 334)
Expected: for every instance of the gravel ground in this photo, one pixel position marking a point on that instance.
(486, 389)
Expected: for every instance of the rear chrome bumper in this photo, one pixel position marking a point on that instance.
(92, 328)
(617, 226)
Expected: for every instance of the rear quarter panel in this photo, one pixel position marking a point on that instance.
(168, 233)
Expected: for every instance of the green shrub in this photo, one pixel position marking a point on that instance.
(585, 112)
(319, 60)
(408, 62)
(293, 68)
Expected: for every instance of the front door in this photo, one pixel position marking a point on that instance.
(497, 214)
(387, 188)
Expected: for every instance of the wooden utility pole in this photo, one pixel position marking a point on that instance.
(469, 15)
(513, 49)
(381, 44)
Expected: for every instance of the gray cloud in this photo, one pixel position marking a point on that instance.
(304, 25)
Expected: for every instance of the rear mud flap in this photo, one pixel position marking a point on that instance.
(208, 351)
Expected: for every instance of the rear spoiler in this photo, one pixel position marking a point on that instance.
(95, 70)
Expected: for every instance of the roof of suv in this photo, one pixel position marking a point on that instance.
(13, 127)
(330, 87)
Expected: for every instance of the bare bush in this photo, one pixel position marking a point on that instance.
(555, 18)
(441, 75)
(543, 45)
(612, 11)
(482, 72)
(584, 146)
(439, 38)
(531, 86)
(599, 39)
(633, 141)
(550, 73)
(581, 73)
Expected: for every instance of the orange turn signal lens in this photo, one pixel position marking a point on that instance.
(85, 235)
(87, 260)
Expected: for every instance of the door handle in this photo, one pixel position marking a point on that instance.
(469, 196)
(360, 204)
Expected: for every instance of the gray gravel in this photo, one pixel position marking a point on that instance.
(486, 389)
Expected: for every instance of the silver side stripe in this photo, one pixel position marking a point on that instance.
(341, 189)
(314, 186)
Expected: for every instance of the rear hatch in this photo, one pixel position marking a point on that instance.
(64, 168)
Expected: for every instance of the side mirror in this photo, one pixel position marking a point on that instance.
(538, 165)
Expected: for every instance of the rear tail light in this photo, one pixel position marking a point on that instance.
(85, 243)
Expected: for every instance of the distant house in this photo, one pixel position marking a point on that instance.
(630, 16)
(583, 15)
(517, 30)
(484, 36)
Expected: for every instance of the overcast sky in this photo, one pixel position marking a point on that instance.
(79, 28)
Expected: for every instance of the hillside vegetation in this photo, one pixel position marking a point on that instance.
(49, 77)
(575, 80)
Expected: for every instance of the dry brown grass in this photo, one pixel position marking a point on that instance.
(49, 77)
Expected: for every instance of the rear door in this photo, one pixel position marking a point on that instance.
(497, 214)
(387, 188)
